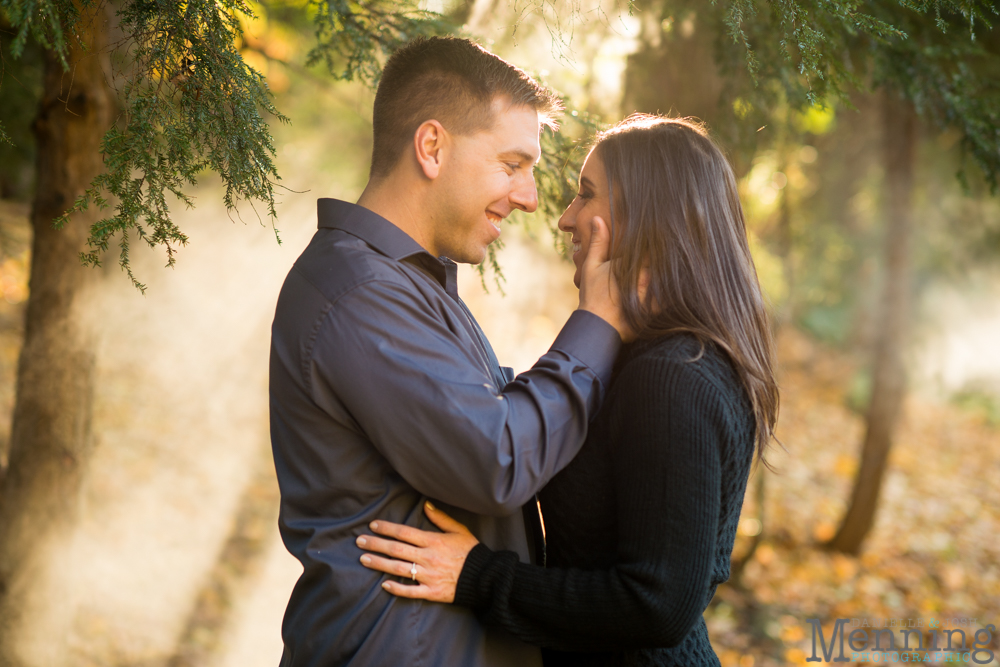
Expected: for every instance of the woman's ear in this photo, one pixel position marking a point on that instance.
(429, 143)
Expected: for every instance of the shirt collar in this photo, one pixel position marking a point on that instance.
(386, 238)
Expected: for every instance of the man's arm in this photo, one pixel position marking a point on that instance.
(428, 403)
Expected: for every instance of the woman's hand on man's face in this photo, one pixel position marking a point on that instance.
(438, 557)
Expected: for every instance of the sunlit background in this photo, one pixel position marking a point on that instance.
(177, 560)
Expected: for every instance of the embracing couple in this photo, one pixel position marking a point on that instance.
(447, 513)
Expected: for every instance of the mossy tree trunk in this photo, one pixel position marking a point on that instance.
(899, 127)
(50, 435)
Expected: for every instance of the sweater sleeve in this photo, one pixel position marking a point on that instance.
(667, 428)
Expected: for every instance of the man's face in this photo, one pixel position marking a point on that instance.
(486, 176)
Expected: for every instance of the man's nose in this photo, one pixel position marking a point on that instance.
(524, 195)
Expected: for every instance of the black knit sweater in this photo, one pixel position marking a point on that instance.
(640, 526)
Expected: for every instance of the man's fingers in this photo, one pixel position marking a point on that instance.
(397, 531)
(443, 521)
(597, 254)
(399, 550)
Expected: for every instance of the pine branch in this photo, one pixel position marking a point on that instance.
(47, 22)
(190, 103)
(354, 38)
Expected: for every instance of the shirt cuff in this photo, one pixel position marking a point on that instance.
(593, 341)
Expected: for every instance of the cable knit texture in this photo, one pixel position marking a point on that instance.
(640, 526)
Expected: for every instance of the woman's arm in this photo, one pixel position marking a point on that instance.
(667, 425)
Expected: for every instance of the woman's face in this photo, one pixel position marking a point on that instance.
(593, 199)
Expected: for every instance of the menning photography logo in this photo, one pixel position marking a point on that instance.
(903, 640)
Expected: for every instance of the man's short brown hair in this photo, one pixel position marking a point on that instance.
(453, 81)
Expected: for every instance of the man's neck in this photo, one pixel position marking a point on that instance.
(400, 204)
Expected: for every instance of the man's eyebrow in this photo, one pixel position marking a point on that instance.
(522, 156)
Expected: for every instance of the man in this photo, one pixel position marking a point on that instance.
(384, 391)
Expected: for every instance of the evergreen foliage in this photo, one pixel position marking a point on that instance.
(942, 55)
(189, 103)
(21, 85)
(45, 22)
(351, 36)
(949, 67)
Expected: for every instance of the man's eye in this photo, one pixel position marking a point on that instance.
(513, 166)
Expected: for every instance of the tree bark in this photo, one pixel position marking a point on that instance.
(674, 72)
(786, 315)
(50, 434)
(899, 127)
(737, 566)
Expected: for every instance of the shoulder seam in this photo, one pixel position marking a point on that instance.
(307, 356)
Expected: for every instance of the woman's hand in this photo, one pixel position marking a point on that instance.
(436, 558)
(598, 287)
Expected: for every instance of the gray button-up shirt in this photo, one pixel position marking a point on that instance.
(385, 392)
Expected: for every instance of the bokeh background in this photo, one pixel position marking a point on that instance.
(176, 558)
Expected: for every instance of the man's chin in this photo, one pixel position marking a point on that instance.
(470, 258)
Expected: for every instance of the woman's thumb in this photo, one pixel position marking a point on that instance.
(442, 520)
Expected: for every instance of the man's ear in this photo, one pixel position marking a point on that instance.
(429, 142)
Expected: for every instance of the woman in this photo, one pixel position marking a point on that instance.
(640, 526)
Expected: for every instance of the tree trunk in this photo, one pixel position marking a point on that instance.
(737, 566)
(786, 315)
(899, 126)
(50, 434)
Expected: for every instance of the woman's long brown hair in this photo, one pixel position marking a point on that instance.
(676, 211)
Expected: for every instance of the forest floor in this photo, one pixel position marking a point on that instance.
(932, 560)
